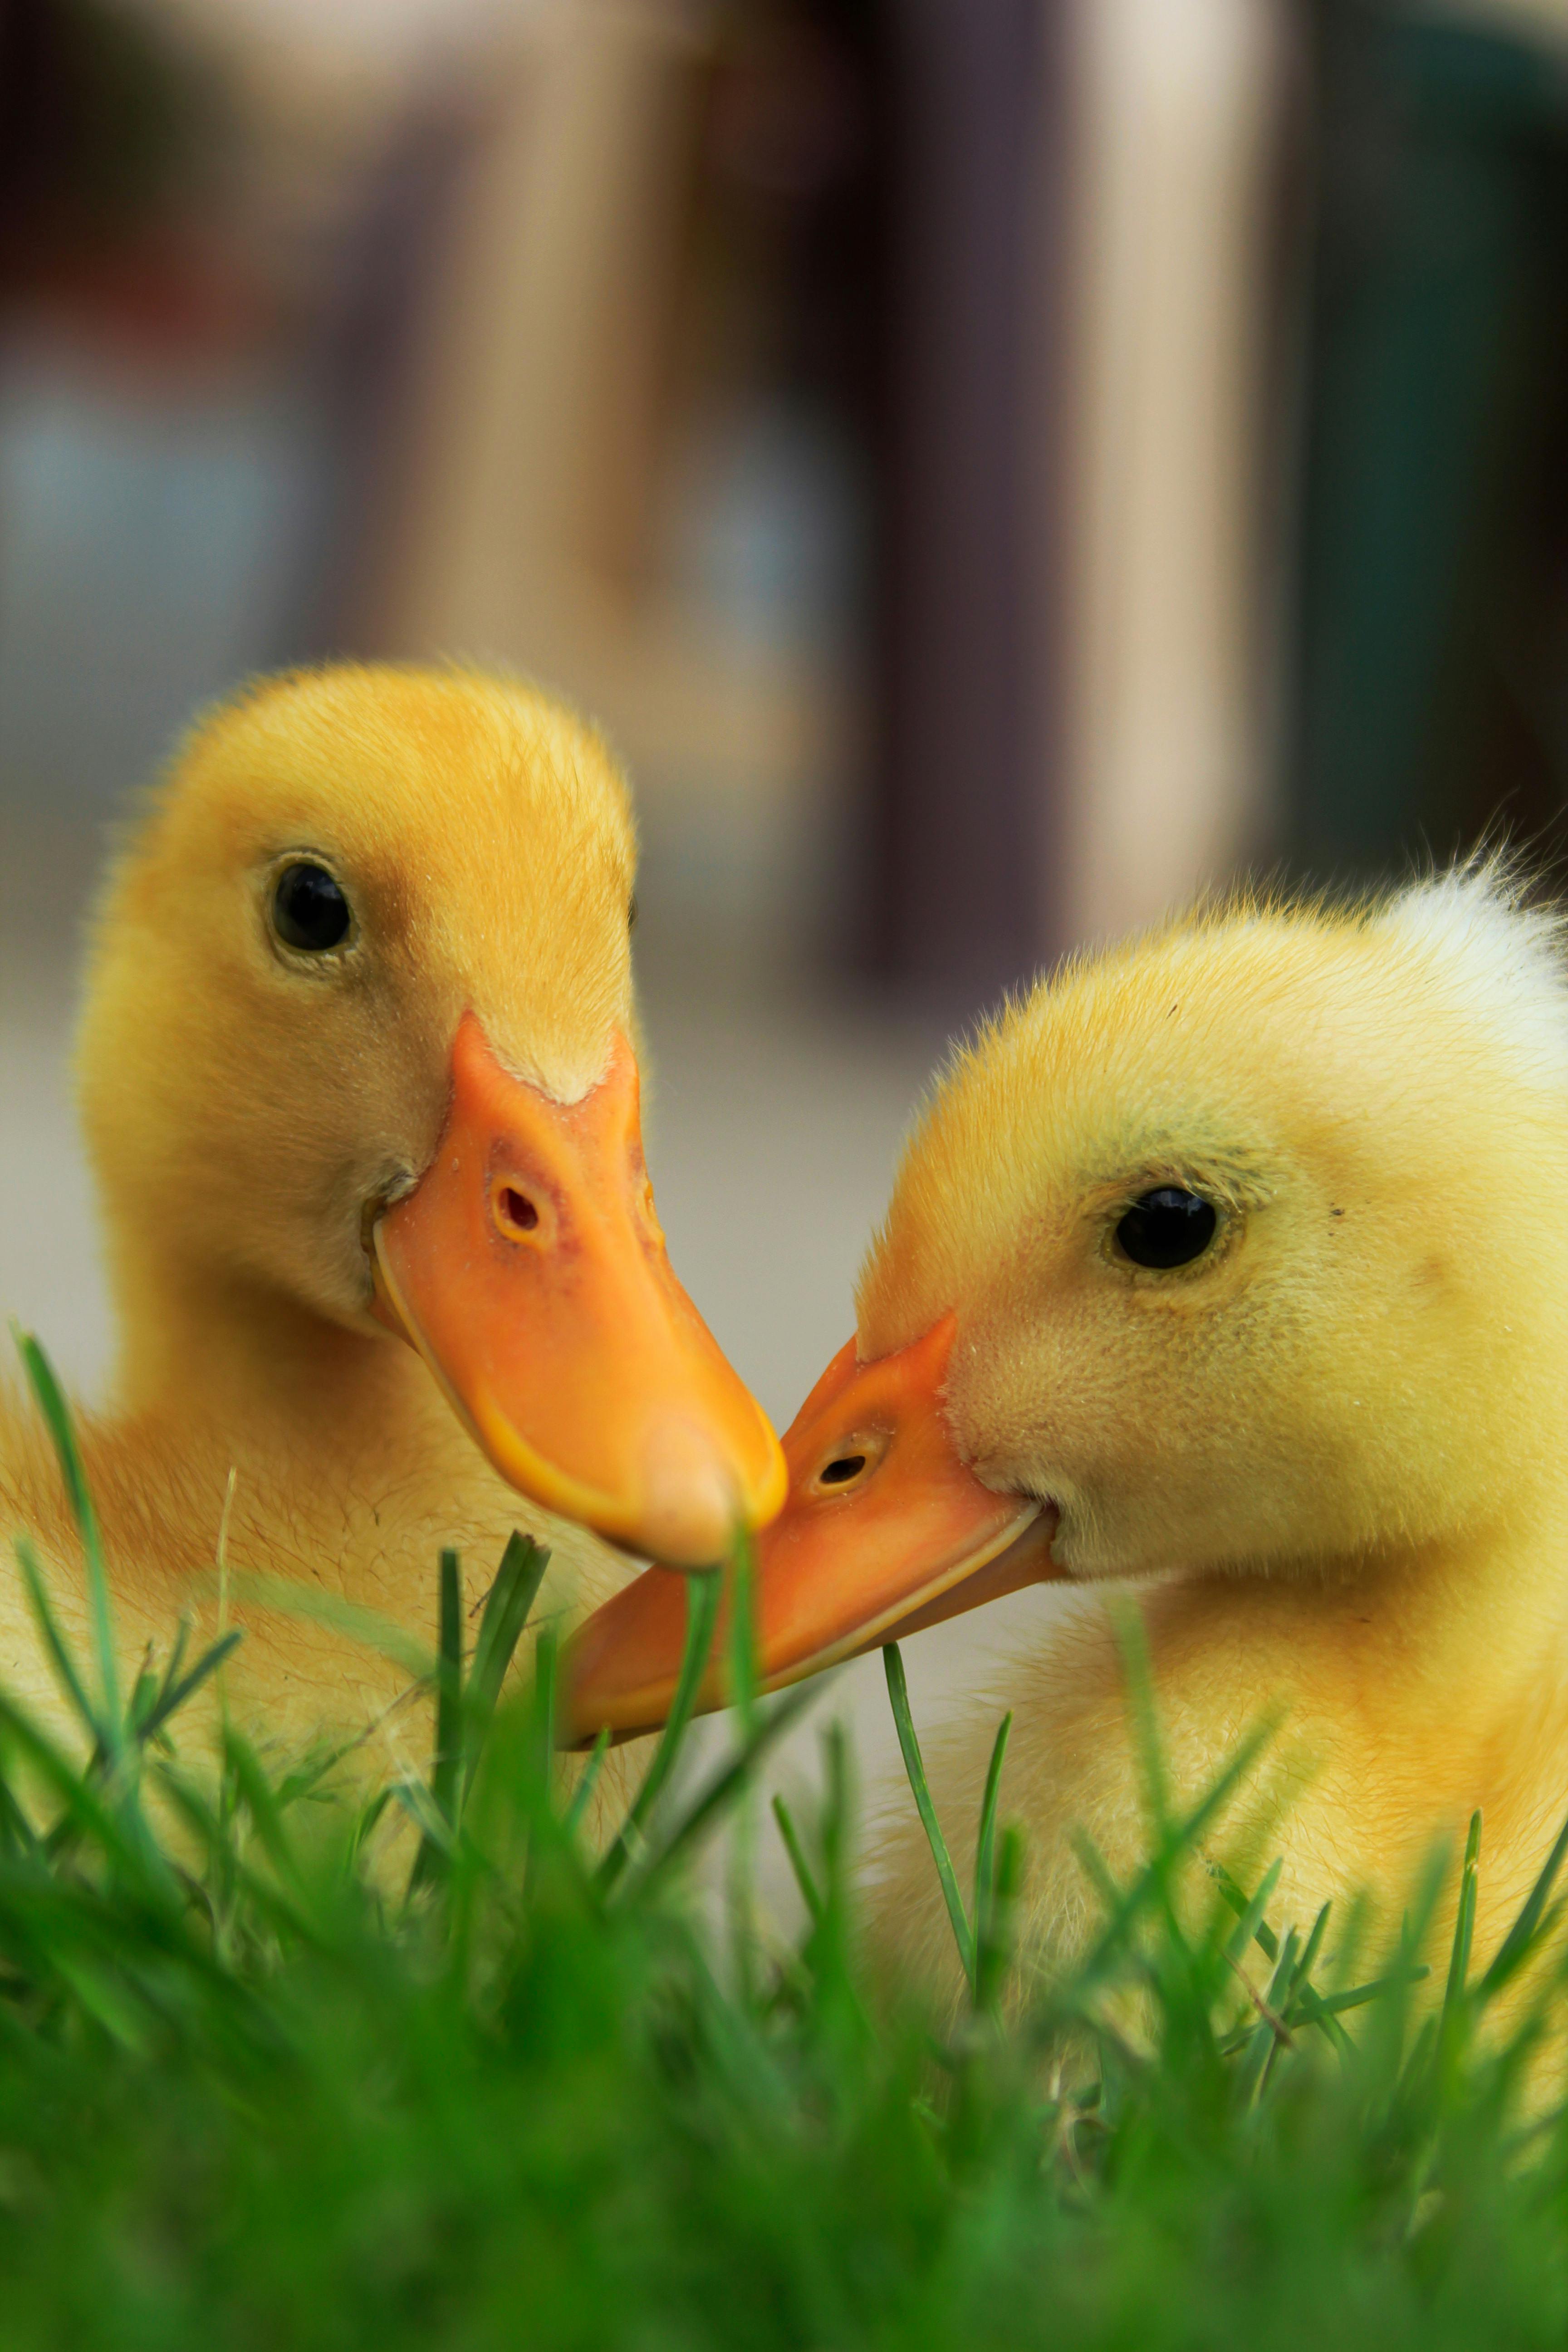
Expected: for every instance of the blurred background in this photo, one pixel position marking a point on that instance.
(993, 466)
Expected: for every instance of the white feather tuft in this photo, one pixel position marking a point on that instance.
(1496, 959)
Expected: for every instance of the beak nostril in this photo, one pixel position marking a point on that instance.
(515, 1213)
(863, 1451)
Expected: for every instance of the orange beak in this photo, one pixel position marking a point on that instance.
(884, 1531)
(528, 1268)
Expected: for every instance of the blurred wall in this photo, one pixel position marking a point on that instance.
(995, 466)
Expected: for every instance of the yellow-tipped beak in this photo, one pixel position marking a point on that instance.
(528, 1268)
(885, 1531)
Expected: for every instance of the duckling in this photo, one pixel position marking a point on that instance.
(1230, 1265)
(358, 1073)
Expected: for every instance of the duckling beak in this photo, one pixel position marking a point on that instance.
(528, 1268)
(885, 1531)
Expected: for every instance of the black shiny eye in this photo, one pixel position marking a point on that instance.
(840, 1473)
(308, 908)
(1167, 1227)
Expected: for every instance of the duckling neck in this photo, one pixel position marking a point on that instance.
(1447, 1626)
(271, 1375)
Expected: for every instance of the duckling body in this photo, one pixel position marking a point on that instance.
(353, 1502)
(357, 1067)
(1327, 1452)
(1228, 1269)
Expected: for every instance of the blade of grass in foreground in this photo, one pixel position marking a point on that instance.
(51, 1403)
(54, 1641)
(993, 1939)
(173, 1694)
(587, 1781)
(731, 1782)
(1451, 2025)
(445, 1771)
(466, 1704)
(810, 1893)
(914, 1765)
(701, 1617)
(986, 1843)
(501, 1623)
(1515, 1947)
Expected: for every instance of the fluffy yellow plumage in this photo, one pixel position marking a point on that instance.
(1329, 1447)
(250, 1112)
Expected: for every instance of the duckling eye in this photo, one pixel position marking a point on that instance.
(308, 908)
(1167, 1227)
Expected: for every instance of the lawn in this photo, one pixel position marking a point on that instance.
(284, 2062)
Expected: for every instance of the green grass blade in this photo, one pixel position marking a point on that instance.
(1334, 2004)
(501, 1623)
(448, 1762)
(914, 1765)
(51, 1403)
(214, 1831)
(1240, 1903)
(447, 1765)
(701, 1617)
(436, 1840)
(1251, 1919)
(810, 1893)
(261, 1803)
(1464, 1933)
(143, 1697)
(177, 1657)
(994, 1942)
(85, 1816)
(1309, 1959)
(54, 1643)
(1516, 1946)
(18, 1834)
(536, 1783)
(587, 1781)
(171, 1698)
(731, 1782)
(1272, 2031)
(307, 1778)
(986, 1842)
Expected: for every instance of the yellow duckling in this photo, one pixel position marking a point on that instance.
(357, 1061)
(1233, 1264)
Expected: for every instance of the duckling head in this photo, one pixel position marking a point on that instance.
(358, 1054)
(1239, 1249)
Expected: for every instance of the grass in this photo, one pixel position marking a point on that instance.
(255, 2091)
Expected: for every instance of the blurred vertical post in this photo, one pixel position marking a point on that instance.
(526, 456)
(959, 892)
(1179, 110)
